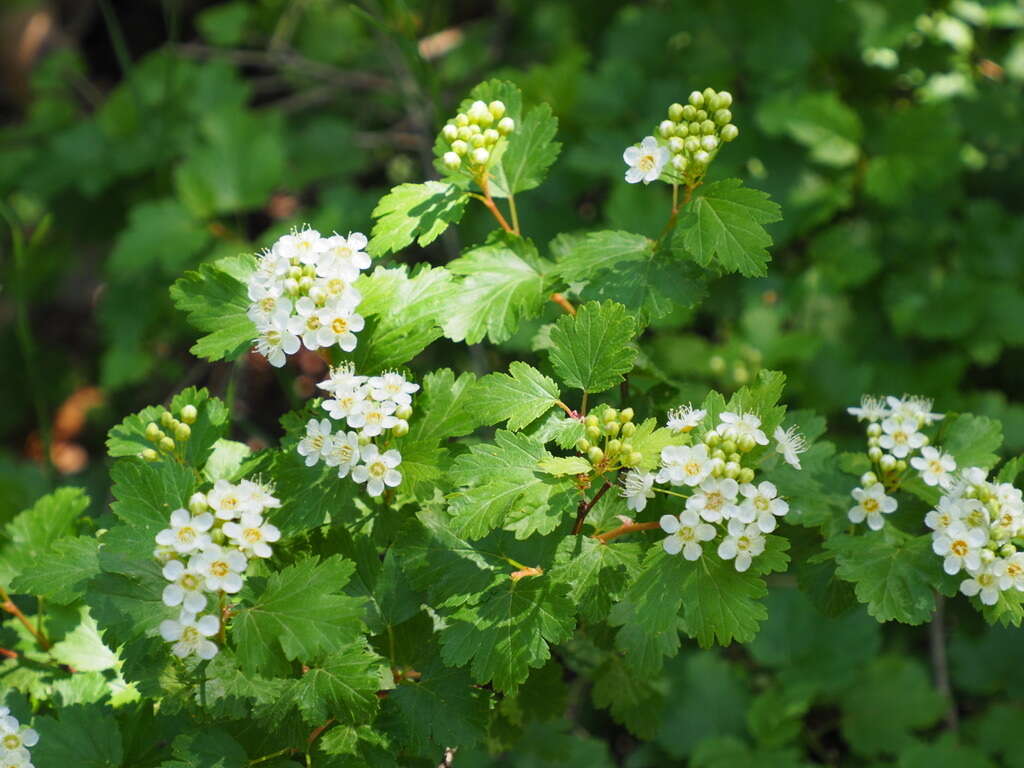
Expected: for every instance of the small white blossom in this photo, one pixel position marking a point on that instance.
(15, 738)
(934, 466)
(872, 503)
(761, 505)
(871, 410)
(984, 583)
(646, 161)
(961, 548)
(394, 387)
(256, 497)
(373, 417)
(684, 418)
(637, 488)
(187, 533)
(252, 535)
(736, 426)
(17, 758)
(186, 587)
(343, 257)
(221, 568)
(900, 438)
(228, 501)
(267, 302)
(343, 452)
(339, 325)
(317, 442)
(275, 340)
(686, 532)
(790, 443)
(1012, 575)
(343, 379)
(715, 499)
(378, 469)
(684, 464)
(744, 543)
(189, 635)
(948, 512)
(303, 246)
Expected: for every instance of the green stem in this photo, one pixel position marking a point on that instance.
(670, 493)
(513, 213)
(271, 756)
(583, 404)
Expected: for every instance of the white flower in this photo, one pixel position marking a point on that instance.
(343, 257)
(303, 245)
(275, 341)
(790, 444)
(14, 737)
(317, 442)
(252, 535)
(186, 588)
(221, 568)
(871, 410)
(934, 466)
(373, 417)
(256, 497)
(646, 161)
(308, 324)
(961, 548)
(736, 426)
(189, 635)
(1012, 572)
(762, 505)
(684, 464)
(974, 515)
(984, 583)
(267, 302)
(187, 533)
(378, 469)
(394, 387)
(343, 379)
(339, 325)
(271, 269)
(345, 402)
(872, 503)
(228, 501)
(715, 500)
(637, 488)
(913, 410)
(686, 532)
(744, 543)
(900, 437)
(18, 758)
(343, 452)
(684, 418)
(948, 512)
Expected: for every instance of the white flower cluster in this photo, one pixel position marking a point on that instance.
(894, 437)
(302, 293)
(972, 530)
(723, 496)
(205, 551)
(378, 407)
(15, 739)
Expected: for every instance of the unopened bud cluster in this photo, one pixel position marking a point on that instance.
(15, 739)
(204, 553)
(724, 497)
(686, 141)
(379, 407)
(894, 440)
(472, 135)
(169, 433)
(606, 443)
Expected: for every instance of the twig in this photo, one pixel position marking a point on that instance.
(940, 664)
(585, 506)
(563, 302)
(8, 605)
(622, 530)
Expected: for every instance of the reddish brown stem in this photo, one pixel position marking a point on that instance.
(563, 302)
(9, 606)
(585, 507)
(622, 530)
(317, 731)
(489, 203)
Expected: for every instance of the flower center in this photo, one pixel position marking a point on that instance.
(229, 502)
(899, 436)
(377, 469)
(189, 582)
(743, 543)
(252, 535)
(186, 534)
(976, 519)
(1013, 570)
(12, 741)
(985, 579)
(870, 505)
(959, 548)
(313, 323)
(339, 325)
(272, 337)
(692, 468)
(686, 533)
(762, 503)
(220, 569)
(343, 252)
(646, 163)
(344, 454)
(936, 467)
(335, 286)
(267, 304)
(190, 635)
(714, 500)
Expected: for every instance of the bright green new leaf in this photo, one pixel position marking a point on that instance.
(973, 440)
(61, 574)
(724, 225)
(593, 348)
(583, 257)
(216, 301)
(530, 152)
(564, 465)
(520, 396)
(419, 212)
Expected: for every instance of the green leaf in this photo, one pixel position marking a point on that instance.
(226, 459)
(162, 237)
(442, 707)
(208, 748)
(419, 212)
(301, 609)
(61, 574)
(530, 152)
(720, 604)
(649, 440)
(83, 649)
(565, 465)
(216, 301)
(83, 736)
(595, 572)
(973, 440)
(33, 533)
(592, 349)
(581, 258)
(946, 752)
(820, 121)
(507, 632)
(632, 700)
(723, 225)
(344, 685)
(502, 283)
(521, 396)
(892, 572)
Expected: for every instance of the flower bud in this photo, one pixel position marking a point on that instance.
(610, 414)
(401, 429)
(465, 134)
(506, 125)
(497, 109)
(189, 414)
(635, 458)
(291, 286)
(182, 432)
(613, 447)
(732, 469)
(874, 430)
(583, 445)
(481, 156)
(926, 440)
(901, 466)
(308, 270)
(724, 100)
(166, 419)
(701, 157)
(675, 144)
(729, 132)
(594, 432)
(403, 412)
(166, 444)
(694, 128)
(701, 116)
(696, 99)
(868, 478)
(707, 127)
(666, 128)
(887, 462)
(364, 439)
(874, 453)
(459, 147)
(628, 429)
(626, 415)
(683, 130)
(712, 439)
(723, 116)
(474, 129)
(477, 140)
(592, 421)
(710, 95)
(709, 143)
(153, 432)
(746, 475)
(452, 161)
(627, 447)
(611, 428)
(675, 112)
(873, 442)
(197, 503)
(294, 272)
(491, 136)
(461, 120)
(746, 444)
(734, 457)
(987, 555)
(148, 454)
(451, 132)
(595, 454)
(679, 162)
(691, 144)
(729, 446)
(1007, 550)
(689, 112)
(719, 454)
(305, 283)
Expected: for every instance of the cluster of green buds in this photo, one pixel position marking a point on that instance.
(606, 444)
(695, 132)
(473, 134)
(169, 432)
(727, 454)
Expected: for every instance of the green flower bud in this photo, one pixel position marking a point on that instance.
(874, 453)
(189, 414)
(724, 100)
(401, 429)
(474, 129)
(182, 432)
(901, 466)
(166, 419)
(689, 112)
(306, 283)
(626, 414)
(746, 475)
(702, 115)
(291, 286)
(732, 469)
(872, 442)
(971, 492)
(707, 127)
(506, 125)
(450, 132)
(153, 432)
(709, 143)
(364, 439)
(735, 458)
(592, 420)
(710, 96)
(675, 112)
(459, 147)
(868, 478)
(675, 144)
(465, 134)
(729, 446)
(491, 136)
(461, 120)
(197, 503)
(583, 445)
(691, 144)
(635, 458)
(308, 270)
(613, 447)
(148, 454)
(718, 453)
(611, 428)
(701, 157)
(595, 454)
(729, 132)
(477, 140)
(746, 444)
(679, 162)
(497, 109)
(166, 444)
(481, 156)
(926, 440)
(712, 439)
(987, 555)
(593, 432)
(723, 116)
(610, 414)
(874, 430)
(694, 128)
(628, 429)
(452, 161)
(403, 411)
(1007, 550)
(627, 447)
(294, 273)
(696, 99)
(887, 462)
(666, 128)
(683, 130)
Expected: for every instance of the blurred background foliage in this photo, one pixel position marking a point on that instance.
(141, 138)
